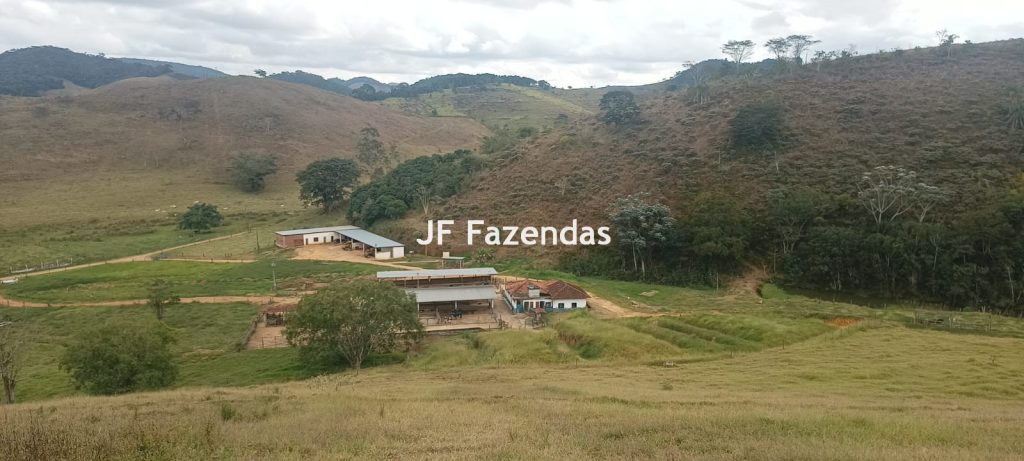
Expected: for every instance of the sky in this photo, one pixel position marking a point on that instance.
(567, 42)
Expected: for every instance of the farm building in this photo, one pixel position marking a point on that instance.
(446, 288)
(348, 237)
(527, 295)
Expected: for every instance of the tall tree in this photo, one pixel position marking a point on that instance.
(160, 297)
(888, 192)
(799, 45)
(946, 40)
(200, 217)
(350, 320)
(12, 358)
(779, 47)
(250, 169)
(719, 233)
(619, 108)
(738, 51)
(325, 183)
(371, 153)
(641, 226)
(791, 213)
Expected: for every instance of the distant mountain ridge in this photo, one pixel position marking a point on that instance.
(179, 68)
(35, 70)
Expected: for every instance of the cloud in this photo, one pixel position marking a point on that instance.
(568, 42)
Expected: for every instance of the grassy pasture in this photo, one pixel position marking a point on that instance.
(94, 217)
(859, 393)
(206, 335)
(111, 282)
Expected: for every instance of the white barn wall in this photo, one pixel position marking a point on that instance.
(324, 237)
(580, 303)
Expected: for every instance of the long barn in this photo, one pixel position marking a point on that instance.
(348, 237)
(447, 288)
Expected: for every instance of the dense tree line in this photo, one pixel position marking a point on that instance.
(313, 80)
(368, 92)
(32, 71)
(446, 82)
(416, 183)
(812, 240)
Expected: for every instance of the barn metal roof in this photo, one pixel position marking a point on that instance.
(438, 273)
(352, 232)
(315, 230)
(448, 294)
(369, 238)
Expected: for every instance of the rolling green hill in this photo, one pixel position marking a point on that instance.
(122, 159)
(499, 105)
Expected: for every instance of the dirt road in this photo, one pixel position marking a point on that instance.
(138, 302)
(128, 259)
(335, 253)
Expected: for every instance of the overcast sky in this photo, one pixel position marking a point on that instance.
(578, 43)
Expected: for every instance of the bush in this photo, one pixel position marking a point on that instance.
(757, 127)
(116, 359)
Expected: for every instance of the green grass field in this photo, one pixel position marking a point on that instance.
(207, 336)
(870, 393)
(97, 217)
(111, 282)
(710, 376)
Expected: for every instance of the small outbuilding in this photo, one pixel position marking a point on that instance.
(348, 237)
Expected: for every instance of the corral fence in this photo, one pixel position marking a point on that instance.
(948, 321)
(43, 266)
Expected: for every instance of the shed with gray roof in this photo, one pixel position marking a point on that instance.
(347, 237)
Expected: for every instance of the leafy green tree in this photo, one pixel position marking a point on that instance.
(260, 73)
(757, 127)
(543, 85)
(791, 213)
(828, 258)
(799, 45)
(641, 226)
(348, 321)
(419, 182)
(250, 169)
(372, 154)
(115, 359)
(738, 51)
(200, 217)
(619, 108)
(12, 359)
(160, 297)
(779, 47)
(719, 233)
(325, 183)
(366, 92)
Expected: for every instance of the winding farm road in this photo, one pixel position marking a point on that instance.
(601, 306)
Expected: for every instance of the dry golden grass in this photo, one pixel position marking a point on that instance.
(938, 116)
(859, 393)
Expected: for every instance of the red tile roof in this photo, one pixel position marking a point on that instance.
(554, 289)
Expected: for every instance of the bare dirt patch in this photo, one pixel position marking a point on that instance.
(336, 253)
(843, 322)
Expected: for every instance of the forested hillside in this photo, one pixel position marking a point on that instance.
(891, 173)
(32, 71)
